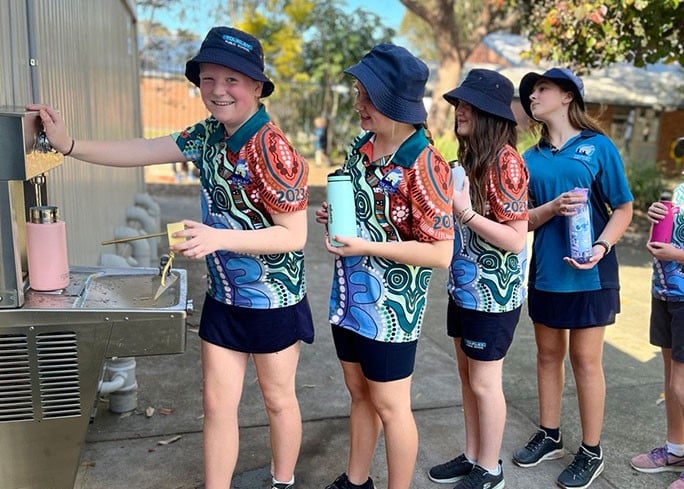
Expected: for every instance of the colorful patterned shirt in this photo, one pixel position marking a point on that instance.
(482, 276)
(407, 198)
(246, 178)
(668, 276)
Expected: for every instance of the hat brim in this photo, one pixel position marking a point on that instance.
(218, 57)
(481, 102)
(389, 104)
(530, 80)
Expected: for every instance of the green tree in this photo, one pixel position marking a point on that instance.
(594, 33)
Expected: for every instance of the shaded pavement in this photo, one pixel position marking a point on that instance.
(124, 451)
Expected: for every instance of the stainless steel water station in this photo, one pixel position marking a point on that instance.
(53, 345)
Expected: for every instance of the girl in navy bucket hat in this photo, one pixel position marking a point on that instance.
(254, 197)
(487, 274)
(571, 303)
(403, 187)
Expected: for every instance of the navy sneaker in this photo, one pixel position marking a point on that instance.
(539, 448)
(480, 478)
(582, 471)
(451, 471)
(342, 482)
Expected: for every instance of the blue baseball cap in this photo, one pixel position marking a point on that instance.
(562, 77)
(395, 81)
(233, 49)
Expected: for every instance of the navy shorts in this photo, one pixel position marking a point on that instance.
(255, 330)
(667, 327)
(380, 361)
(485, 336)
(573, 310)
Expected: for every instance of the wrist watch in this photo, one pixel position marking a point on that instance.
(606, 245)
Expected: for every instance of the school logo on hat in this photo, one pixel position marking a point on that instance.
(234, 49)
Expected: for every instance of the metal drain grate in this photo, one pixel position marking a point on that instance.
(15, 379)
(60, 393)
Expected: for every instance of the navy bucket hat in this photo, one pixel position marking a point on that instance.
(233, 49)
(395, 81)
(562, 77)
(486, 90)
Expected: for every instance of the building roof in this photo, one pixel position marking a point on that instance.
(660, 86)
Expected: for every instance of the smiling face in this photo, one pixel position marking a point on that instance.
(230, 96)
(371, 119)
(465, 119)
(548, 99)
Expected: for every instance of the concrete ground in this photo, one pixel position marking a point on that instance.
(123, 452)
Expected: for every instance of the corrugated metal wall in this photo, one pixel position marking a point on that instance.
(87, 67)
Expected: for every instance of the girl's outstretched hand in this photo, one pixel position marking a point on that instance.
(54, 125)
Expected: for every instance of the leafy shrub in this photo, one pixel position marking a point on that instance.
(645, 182)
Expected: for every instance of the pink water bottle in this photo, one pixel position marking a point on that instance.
(662, 230)
(46, 249)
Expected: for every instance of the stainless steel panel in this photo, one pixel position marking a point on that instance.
(22, 158)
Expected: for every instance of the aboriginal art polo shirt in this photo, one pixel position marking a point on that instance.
(246, 178)
(482, 276)
(589, 160)
(668, 276)
(404, 197)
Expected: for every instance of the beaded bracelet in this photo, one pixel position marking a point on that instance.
(459, 215)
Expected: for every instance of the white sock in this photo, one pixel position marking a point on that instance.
(291, 481)
(468, 459)
(675, 449)
(496, 471)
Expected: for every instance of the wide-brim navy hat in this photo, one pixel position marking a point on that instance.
(395, 81)
(233, 49)
(562, 77)
(486, 90)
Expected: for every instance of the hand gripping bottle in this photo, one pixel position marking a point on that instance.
(579, 231)
(341, 206)
(48, 266)
(662, 230)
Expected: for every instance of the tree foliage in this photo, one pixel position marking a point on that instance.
(456, 28)
(594, 33)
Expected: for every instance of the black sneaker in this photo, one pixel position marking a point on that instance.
(342, 482)
(451, 471)
(282, 485)
(540, 447)
(582, 471)
(479, 478)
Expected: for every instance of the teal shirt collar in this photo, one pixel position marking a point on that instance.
(244, 132)
(408, 152)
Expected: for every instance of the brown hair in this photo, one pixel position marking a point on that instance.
(481, 149)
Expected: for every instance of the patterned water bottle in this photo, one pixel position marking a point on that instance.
(579, 231)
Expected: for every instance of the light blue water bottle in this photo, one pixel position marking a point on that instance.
(579, 231)
(341, 206)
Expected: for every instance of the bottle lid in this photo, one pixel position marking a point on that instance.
(44, 214)
(339, 173)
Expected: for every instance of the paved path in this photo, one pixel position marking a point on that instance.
(123, 451)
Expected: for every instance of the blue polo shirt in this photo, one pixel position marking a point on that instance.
(589, 160)
(668, 276)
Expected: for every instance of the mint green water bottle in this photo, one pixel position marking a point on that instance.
(341, 206)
